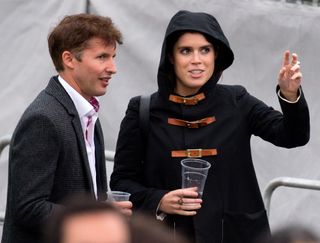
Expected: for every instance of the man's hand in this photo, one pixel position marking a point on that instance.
(181, 201)
(124, 206)
(290, 77)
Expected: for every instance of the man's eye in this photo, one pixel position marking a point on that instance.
(101, 57)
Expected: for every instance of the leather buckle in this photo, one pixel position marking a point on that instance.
(194, 153)
(191, 124)
(187, 100)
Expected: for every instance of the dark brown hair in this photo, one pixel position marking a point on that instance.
(73, 33)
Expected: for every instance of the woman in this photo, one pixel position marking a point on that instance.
(193, 116)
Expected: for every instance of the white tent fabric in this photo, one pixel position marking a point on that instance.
(259, 32)
(25, 63)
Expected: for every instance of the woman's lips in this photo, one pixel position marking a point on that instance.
(196, 73)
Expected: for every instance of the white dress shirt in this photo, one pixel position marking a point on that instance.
(85, 109)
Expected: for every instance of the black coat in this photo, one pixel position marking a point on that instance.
(231, 198)
(47, 163)
(232, 209)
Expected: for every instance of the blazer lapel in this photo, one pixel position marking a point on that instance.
(100, 162)
(56, 90)
(83, 151)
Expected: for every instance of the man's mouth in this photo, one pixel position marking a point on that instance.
(105, 81)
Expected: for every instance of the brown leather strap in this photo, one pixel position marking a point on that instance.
(194, 153)
(192, 124)
(187, 100)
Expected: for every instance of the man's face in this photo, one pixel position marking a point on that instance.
(92, 73)
(100, 227)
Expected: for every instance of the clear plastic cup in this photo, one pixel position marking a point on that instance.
(118, 196)
(194, 173)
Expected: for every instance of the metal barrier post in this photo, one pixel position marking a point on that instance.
(4, 141)
(109, 155)
(287, 182)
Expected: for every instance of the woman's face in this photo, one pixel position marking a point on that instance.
(193, 59)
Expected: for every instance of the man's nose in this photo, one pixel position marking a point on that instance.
(111, 67)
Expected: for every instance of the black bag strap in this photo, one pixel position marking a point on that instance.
(144, 116)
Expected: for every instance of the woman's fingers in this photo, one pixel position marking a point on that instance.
(296, 76)
(186, 213)
(188, 192)
(295, 67)
(286, 58)
(282, 73)
(294, 59)
(181, 201)
(192, 201)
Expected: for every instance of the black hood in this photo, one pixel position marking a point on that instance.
(206, 24)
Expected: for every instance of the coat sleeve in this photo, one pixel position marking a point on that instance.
(289, 128)
(128, 172)
(33, 157)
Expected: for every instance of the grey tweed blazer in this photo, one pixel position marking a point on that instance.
(47, 163)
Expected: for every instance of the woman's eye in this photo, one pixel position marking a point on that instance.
(185, 51)
(206, 50)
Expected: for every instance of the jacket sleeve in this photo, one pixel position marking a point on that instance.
(288, 129)
(128, 172)
(33, 156)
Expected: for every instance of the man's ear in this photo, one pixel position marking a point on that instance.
(68, 59)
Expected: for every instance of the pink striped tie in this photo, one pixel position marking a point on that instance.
(94, 102)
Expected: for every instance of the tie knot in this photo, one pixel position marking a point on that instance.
(95, 103)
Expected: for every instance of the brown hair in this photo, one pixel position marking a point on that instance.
(76, 205)
(73, 33)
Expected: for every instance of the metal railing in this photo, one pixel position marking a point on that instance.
(304, 2)
(270, 188)
(5, 141)
(287, 182)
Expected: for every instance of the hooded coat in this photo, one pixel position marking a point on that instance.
(232, 210)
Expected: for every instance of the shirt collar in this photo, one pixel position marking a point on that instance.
(82, 105)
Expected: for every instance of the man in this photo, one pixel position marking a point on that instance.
(88, 221)
(57, 149)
